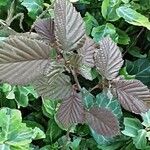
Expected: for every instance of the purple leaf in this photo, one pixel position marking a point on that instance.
(22, 60)
(45, 28)
(71, 110)
(108, 59)
(131, 94)
(103, 121)
(69, 26)
(87, 52)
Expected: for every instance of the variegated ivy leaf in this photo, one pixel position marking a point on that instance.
(71, 110)
(45, 28)
(87, 52)
(131, 94)
(58, 88)
(103, 121)
(108, 59)
(69, 26)
(22, 60)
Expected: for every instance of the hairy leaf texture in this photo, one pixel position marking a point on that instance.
(87, 52)
(22, 60)
(86, 72)
(103, 121)
(59, 87)
(75, 60)
(45, 28)
(69, 26)
(54, 69)
(71, 110)
(108, 59)
(31, 35)
(131, 94)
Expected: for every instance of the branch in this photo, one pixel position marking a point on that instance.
(75, 78)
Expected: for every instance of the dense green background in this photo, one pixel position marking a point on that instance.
(31, 123)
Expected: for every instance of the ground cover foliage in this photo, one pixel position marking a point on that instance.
(74, 74)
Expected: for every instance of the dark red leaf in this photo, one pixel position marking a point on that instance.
(103, 121)
(71, 110)
(45, 28)
(131, 94)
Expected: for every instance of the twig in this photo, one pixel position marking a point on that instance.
(95, 87)
(75, 78)
(134, 41)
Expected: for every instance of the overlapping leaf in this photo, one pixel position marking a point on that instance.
(45, 28)
(133, 17)
(22, 60)
(75, 60)
(86, 72)
(109, 9)
(132, 126)
(14, 134)
(58, 88)
(103, 121)
(69, 26)
(34, 7)
(87, 52)
(141, 69)
(108, 59)
(113, 105)
(99, 32)
(54, 69)
(131, 94)
(103, 101)
(71, 110)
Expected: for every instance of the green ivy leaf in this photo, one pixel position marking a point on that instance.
(104, 30)
(135, 52)
(145, 3)
(102, 101)
(88, 98)
(8, 147)
(85, 1)
(34, 7)
(14, 133)
(146, 119)
(123, 37)
(38, 134)
(132, 126)
(22, 95)
(125, 1)
(74, 145)
(140, 140)
(109, 9)
(49, 107)
(113, 105)
(3, 2)
(123, 71)
(133, 17)
(141, 69)
(50, 147)
(54, 132)
(90, 22)
(114, 146)
(89, 144)
(6, 87)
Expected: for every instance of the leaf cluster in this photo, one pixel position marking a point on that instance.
(77, 68)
